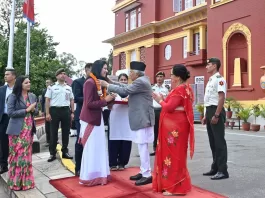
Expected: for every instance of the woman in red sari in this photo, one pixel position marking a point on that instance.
(176, 127)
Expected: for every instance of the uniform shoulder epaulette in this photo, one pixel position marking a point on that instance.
(218, 76)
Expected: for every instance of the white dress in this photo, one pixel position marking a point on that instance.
(119, 122)
(95, 162)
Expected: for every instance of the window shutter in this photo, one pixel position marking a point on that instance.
(177, 5)
(133, 20)
(133, 55)
(139, 19)
(197, 43)
(190, 3)
(127, 24)
(186, 4)
(185, 47)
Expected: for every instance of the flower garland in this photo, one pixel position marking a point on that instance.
(102, 95)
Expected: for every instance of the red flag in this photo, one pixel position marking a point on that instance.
(28, 10)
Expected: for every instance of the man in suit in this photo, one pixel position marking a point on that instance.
(77, 87)
(141, 115)
(5, 91)
(47, 123)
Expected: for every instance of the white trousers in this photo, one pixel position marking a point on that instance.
(145, 160)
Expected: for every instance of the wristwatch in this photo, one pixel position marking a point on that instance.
(217, 116)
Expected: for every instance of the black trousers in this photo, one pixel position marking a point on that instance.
(78, 148)
(156, 127)
(119, 152)
(73, 125)
(47, 130)
(4, 148)
(59, 115)
(106, 114)
(216, 134)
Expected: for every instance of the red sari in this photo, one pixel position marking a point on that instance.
(175, 129)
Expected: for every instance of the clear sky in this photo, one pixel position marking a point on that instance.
(80, 25)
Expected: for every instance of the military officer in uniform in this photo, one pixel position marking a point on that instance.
(214, 119)
(158, 88)
(59, 108)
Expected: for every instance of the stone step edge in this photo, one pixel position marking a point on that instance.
(32, 193)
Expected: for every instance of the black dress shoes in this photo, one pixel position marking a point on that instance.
(52, 158)
(3, 169)
(220, 175)
(153, 154)
(136, 177)
(77, 173)
(144, 181)
(66, 156)
(210, 173)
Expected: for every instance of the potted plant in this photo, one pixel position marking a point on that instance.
(200, 109)
(256, 113)
(229, 102)
(237, 107)
(262, 112)
(244, 114)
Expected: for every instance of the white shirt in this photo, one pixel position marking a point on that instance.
(60, 95)
(159, 90)
(215, 85)
(9, 90)
(119, 122)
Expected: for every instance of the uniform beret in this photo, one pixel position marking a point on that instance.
(59, 71)
(214, 60)
(160, 73)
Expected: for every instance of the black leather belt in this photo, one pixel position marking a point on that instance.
(212, 106)
(64, 107)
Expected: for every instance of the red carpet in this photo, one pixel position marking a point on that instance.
(119, 187)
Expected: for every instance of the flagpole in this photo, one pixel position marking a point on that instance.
(11, 37)
(28, 48)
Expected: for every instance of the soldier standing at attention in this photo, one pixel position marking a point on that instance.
(214, 119)
(59, 101)
(158, 88)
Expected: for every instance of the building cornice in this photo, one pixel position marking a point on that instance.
(149, 42)
(184, 18)
(214, 5)
(122, 5)
(195, 26)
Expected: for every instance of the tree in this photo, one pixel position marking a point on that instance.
(109, 61)
(43, 56)
(79, 72)
(5, 15)
(69, 62)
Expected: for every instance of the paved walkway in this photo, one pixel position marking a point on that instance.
(246, 167)
(43, 172)
(3, 193)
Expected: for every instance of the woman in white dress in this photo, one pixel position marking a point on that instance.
(120, 134)
(95, 164)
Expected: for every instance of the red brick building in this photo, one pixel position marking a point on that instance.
(162, 33)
